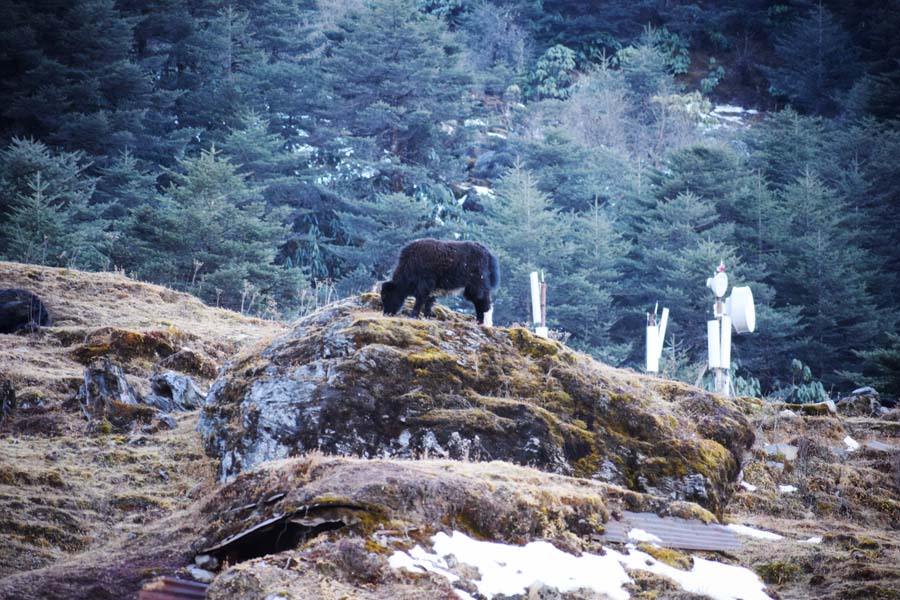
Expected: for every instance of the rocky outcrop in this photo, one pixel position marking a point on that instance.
(347, 380)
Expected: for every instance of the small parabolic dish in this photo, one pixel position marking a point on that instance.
(739, 306)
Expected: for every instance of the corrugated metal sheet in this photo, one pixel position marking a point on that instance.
(674, 532)
(173, 588)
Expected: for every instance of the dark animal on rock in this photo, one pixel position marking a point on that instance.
(429, 268)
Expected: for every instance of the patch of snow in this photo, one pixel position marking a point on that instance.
(748, 486)
(510, 570)
(497, 134)
(475, 123)
(639, 535)
(851, 444)
(709, 578)
(483, 191)
(786, 489)
(813, 540)
(753, 532)
(728, 108)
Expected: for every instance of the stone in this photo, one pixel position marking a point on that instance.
(172, 391)
(879, 447)
(787, 451)
(108, 400)
(349, 380)
(206, 561)
(862, 402)
(201, 575)
(22, 311)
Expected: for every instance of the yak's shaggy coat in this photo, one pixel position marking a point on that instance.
(430, 268)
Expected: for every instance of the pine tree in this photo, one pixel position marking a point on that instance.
(595, 283)
(211, 235)
(526, 233)
(36, 224)
(125, 184)
(376, 231)
(819, 61)
(822, 270)
(678, 243)
(387, 108)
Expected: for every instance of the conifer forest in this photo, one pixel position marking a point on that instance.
(271, 156)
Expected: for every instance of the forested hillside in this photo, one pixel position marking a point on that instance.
(267, 156)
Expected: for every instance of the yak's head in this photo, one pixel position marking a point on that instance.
(391, 298)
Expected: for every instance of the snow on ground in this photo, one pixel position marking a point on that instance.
(748, 486)
(639, 535)
(786, 489)
(851, 444)
(753, 532)
(813, 540)
(507, 569)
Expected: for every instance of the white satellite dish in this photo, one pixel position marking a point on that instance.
(739, 306)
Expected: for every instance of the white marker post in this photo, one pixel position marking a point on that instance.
(656, 335)
(539, 304)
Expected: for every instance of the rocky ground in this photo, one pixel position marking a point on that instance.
(448, 426)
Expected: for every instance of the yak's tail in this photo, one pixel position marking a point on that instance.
(495, 272)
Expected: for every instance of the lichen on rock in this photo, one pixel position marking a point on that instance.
(348, 380)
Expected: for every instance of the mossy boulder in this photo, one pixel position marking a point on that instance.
(348, 380)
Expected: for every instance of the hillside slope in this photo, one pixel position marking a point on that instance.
(95, 513)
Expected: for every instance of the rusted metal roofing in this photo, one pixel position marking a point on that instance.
(173, 588)
(673, 532)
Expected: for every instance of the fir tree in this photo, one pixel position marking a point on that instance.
(211, 235)
(823, 271)
(376, 231)
(819, 61)
(392, 103)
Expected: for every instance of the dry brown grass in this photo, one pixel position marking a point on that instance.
(45, 365)
(65, 492)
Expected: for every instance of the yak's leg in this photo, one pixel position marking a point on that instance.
(429, 304)
(417, 307)
(422, 293)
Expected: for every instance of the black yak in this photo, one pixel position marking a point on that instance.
(430, 268)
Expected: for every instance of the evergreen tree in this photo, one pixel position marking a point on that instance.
(377, 230)
(678, 243)
(387, 108)
(211, 235)
(880, 367)
(594, 284)
(124, 185)
(43, 230)
(822, 270)
(80, 88)
(819, 61)
(527, 233)
(32, 178)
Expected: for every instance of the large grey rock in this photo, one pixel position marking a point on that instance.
(348, 380)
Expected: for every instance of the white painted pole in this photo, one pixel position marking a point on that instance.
(712, 334)
(662, 331)
(652, 349)
(535, 299)
(726, 343)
